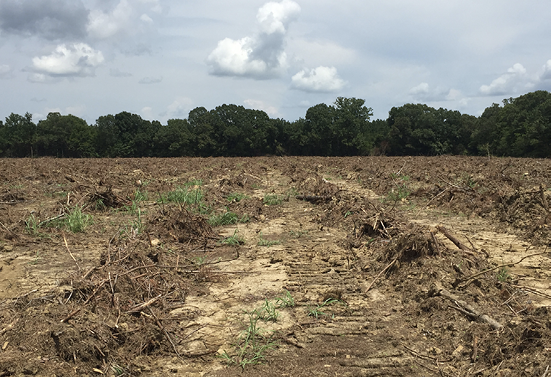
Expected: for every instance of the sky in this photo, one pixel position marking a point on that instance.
(162, 58)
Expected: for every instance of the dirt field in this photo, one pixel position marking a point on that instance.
(369, 266)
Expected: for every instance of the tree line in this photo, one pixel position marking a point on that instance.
(520, 127)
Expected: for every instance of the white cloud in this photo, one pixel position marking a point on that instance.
(179, 108)
(425, 93)
(261, 56)
(275, 17)
(260, 105)
(103, 25)
(454, 95)
(545, 76)
(37, 78)
(320, 79)
(147, 113)
(511, 82)
(233, 58)
(77, 59)
(145, 18)
(5, 71)
(422, 88)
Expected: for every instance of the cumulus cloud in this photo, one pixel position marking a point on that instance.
(179, 108)
(106, 24)
(425, 93)
(320, 79)
(422, 89)
(261, 105)
(50, 19)
(147, 113)
(125, 18)
(514, 80)
(545, 76)
(261, 56)
(5, 71)
(76, 59)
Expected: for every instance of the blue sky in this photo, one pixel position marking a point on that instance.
(162, 58)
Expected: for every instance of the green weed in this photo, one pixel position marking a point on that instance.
(252, 344)
(317, 312)
(183, 195)
(76, 221)
(236, 197)
(398, 194)
(264, 242)
(503, 275)
(227, 218)
(233, 240)
(268, 312)
(32, 224)
(298, 233)
(285, 301)
(199, 261)
(194, 182)
(272, 200)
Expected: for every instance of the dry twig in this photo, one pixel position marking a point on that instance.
(380, 273)
(464, 307)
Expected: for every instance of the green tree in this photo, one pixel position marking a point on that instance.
(417, 129)
(65, 136)
(202, 132)
(125, 135)
(524, 124)
(19, 135)
(351, 126)
(174, 139)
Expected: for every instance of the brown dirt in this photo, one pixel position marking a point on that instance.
(363, 245)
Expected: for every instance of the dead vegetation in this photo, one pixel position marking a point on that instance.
(430, 297)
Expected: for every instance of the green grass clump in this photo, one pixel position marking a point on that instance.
(272, 200)
(76, 221)
(183, 195)
(317, 311)
(503, 275)
(236, 197)
(398, 194)
(194, 182)
(233, 240)
(253, 343)
(227, 218)
(32, 224)
(287, 300)
(264, 242)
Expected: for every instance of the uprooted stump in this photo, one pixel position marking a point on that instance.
(414, 244)
(106, 199)
(181, 225)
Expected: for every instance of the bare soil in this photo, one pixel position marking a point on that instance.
(397, 267)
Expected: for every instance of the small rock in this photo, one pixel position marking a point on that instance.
(7, 248)
(457, 352)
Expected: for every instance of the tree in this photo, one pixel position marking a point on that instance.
(202, 132)
(65, 136)
(417, 129)
(174, 139)
(19, 135)
(351, 126)
(125, 135)
(524, 124)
